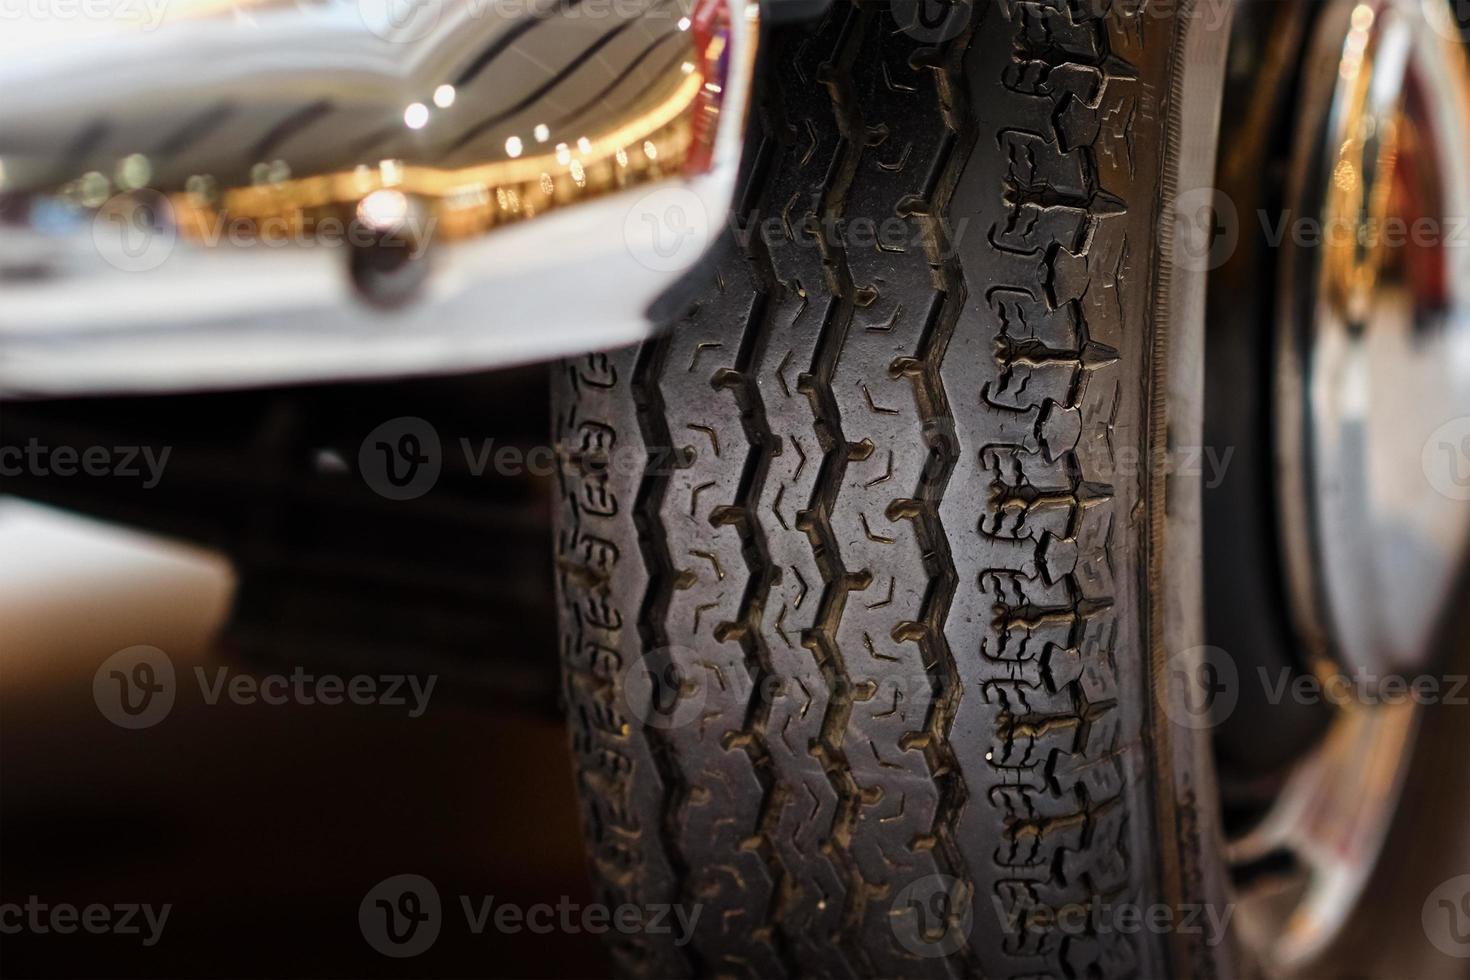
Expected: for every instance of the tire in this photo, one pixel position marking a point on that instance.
(852, 562)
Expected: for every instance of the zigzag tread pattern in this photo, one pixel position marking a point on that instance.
(876, 542)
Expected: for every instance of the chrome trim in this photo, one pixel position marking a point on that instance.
(1326, 829)
(1374, 351)
(1371, 358)
(258, 192)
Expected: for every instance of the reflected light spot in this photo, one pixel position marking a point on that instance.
(416, 116)
(134, 171)
(584, 145)
(95, 189)
(203, 188)
(541, 133)
(383, 210)
(684, 23)
(444, 96)
(649, 150)
(274, 172)
(563, 155)
(513, 147)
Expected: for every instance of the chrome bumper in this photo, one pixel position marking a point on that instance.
(263, 192)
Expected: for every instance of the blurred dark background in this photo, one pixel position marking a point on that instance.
(263, 549)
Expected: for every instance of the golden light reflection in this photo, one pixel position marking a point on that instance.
(468, 201)
(540, 170)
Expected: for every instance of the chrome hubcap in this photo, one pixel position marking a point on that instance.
(1375, 355)
(1372, 391)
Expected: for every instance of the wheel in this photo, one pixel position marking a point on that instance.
(853, 562)
(1331, 377)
